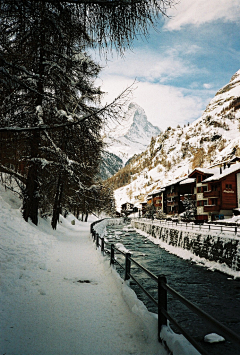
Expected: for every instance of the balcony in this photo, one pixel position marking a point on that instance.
(156, 199)
(211, 208)
(211, 194)
(188, 196)
(172, 203)
(172, 194)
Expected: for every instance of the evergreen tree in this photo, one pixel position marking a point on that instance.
(48, 103)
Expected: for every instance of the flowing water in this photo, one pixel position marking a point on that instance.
(214, 292)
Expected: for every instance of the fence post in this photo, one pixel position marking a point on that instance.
(127, 266)
(162, 303)
(235, 230)
(112, 255)
(102, 245)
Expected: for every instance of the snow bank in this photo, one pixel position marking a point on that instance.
(219, 252)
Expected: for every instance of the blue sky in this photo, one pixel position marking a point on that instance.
(180, 67)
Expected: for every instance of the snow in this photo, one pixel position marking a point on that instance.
(213, 338)
(132, 135)
(60, 296)
(224, 172)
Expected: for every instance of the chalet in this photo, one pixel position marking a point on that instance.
(155, 199)
(175, 192)
(144, 207)
(223, 192)
(200, 175)
(149, 199)
(127, 206)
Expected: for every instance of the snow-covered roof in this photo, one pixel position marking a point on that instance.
(223, 172)
(227, 161)
(207, 171)
(174, 182)
(187, 181)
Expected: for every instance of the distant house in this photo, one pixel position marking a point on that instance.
(128, 208)
(144, 208)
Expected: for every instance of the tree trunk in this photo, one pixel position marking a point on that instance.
(57, 204)
(31, 194)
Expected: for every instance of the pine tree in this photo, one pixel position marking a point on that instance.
(48, 98)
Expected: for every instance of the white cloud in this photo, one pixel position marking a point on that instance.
(207, 86)
(151, 66)
(202, 11)
(164, 105)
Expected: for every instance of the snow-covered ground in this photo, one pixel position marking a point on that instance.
(59, 295)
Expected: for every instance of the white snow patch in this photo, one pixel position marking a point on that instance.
(213, 338)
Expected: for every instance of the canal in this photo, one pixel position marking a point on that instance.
(214, 292)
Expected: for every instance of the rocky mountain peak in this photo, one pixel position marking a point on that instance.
(132, 135)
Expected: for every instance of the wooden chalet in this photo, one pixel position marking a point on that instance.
(200, 175)
(223, 192)
(175, 193)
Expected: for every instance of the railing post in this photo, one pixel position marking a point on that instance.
(127, 266)
(235, 230)
(112, 255)
(97, 240)
(102, 245)
(162, 303)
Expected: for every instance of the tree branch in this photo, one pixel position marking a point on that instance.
(77, 120)
(4, 169)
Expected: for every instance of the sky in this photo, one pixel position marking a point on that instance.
(182, 64)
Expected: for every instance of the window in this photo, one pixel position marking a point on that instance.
(228, 186)
(205, 188)
(199, 178)
(199, 189)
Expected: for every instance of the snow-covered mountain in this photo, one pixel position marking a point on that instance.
(132, 135)
(212, 138)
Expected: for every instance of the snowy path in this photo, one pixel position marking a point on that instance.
(47, 312)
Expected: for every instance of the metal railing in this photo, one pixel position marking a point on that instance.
(163, 289)
(191, 226)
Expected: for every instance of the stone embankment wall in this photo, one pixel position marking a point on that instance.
(222, 249)
(100, 225)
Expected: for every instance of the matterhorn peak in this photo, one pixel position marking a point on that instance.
(132, 135)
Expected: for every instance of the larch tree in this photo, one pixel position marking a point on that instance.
(50, 114)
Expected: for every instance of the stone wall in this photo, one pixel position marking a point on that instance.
(222, 249)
